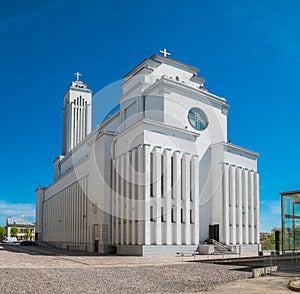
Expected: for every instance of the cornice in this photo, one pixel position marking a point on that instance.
(166, 82)
(173, 61)
(156, 124)
(137, 86)
(139, 66)
(235, 147)
(145, 69)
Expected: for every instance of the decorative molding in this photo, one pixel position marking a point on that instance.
(167, 82)
(225, 110)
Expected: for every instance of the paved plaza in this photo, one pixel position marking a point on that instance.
(43, 270)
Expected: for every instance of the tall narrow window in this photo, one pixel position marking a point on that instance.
(151, 214)
(172, 215)
(172, 177)
(191, 216)
(182, 216)
(162, 177)
(191, 182)
(182, 186)
(162, 214)
(151, 174)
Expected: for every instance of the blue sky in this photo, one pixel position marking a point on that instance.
(248, 51)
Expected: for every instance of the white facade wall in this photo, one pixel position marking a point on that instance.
(239, 208)
(145, 178)
(166, 215)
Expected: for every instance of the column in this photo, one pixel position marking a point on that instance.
(245, 207)
(167, 196)
(226, 204)
(251, 207)
(117, 199)
(85, 210)
(141, 196)
(186, 196)
(134, 195)
(177, 194)
(239, 206)
(122, 197)
(113, 202)
(233, 204)
(146, 202)
(127, 198)
(195, 198)
(157, 192)
(256, 205)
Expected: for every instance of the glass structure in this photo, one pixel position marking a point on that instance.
(290, 218)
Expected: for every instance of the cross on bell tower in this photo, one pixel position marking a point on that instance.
(164, 52)
(77, 75)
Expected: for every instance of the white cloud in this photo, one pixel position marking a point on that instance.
(270, 215)
(16, 209)
(271, 206)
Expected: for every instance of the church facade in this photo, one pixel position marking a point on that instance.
(156, 176)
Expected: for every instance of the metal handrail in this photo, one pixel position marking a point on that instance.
(218, 244)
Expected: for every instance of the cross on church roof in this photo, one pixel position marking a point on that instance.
(164, 52)
(77, 74)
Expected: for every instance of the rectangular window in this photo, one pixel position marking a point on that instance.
(130, 190)
(191, 217)
(162, 177)
(182, 216)
(172, 215)
(182, 192)
(191, 182)
(151, 174)
(172, 177)
(151, 214)
(162, 214)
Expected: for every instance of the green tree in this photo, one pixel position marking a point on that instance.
(2, 233)
(14, 231)
(269, 243)
(28, 234)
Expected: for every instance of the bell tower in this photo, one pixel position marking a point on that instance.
(77, 114)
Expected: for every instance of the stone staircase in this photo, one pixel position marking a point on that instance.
(220, 248)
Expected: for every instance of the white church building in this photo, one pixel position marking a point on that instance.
(156, 176)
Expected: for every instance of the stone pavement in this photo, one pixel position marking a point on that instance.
(16, 257)
(265, 285)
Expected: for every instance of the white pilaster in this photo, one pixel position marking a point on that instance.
(146, 183)
(167, 196)
(127, 198)
(226, 204)
(177, 194)
(157, 192)
(251, 206)
(195, 198)
(233, 204)
(134, 196)
(240, 206)
(257, 208)
(122, 197)
(141, 196)
(117, 200)
(246, 209)
(186, 196)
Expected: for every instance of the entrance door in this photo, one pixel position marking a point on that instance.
(214, 232)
